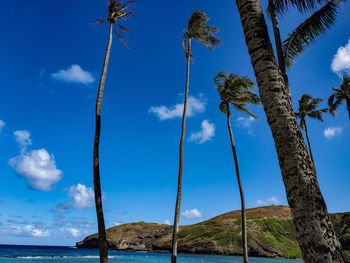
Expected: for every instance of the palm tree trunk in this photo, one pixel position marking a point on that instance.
(96, 162)
(244, 228)
(278, 43)
(348, 106)
(308, 143)
(314, 230)
(179, 183)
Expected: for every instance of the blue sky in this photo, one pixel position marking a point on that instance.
(51, 58)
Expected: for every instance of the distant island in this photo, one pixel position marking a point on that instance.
(271, 233)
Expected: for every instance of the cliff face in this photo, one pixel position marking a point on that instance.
(271, 233)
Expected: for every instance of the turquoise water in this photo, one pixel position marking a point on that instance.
(40, 254)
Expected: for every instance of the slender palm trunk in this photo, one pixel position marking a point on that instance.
(278, 43)
(244, 227)
(348, 106)
(179, 183)
(308, 143)
(96, 162)
(314, 230)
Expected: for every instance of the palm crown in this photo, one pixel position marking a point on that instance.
(311, 29)
(308, 107)
(340, 94)
(198, 30)
(118, 11)
(235, 91)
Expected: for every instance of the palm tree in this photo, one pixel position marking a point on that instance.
(116, 12)
(238, 92)
(197, 29)
(340, 94)
(308, 108)
(314, 230)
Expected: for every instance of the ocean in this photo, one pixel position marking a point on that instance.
(43, 254)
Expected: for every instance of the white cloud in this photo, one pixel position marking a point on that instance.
(38, 167)
(194, 106)
(74, 74)
(2, 124)
(246, 123)
(167, 222)
(330, 132)
(23, 138)
(29, 231)
(71, 231)
(271, 200)
(274, 200)
(341, 60)
(260, 202)
(82, 197)
(207, 132)
(117, 223)
(193, 213)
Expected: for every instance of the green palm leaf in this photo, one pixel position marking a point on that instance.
(309, 31)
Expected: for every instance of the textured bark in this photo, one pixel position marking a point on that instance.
(244, 227)
(309, 145)
(96, 162)
(179, 183)
(314, 230)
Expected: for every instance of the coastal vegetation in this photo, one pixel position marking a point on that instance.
(340, 95)
(270, 233)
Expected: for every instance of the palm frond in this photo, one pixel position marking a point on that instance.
(308, 107)
(281, 6)
(198, 30)
(121, 39)
(309, 31)
(236, 91)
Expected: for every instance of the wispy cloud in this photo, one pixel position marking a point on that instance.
(2, 124)
(272, 200)
(206, 133)
(341, 60)
(27, 231)
(330, 132)
(74, 74)
(71, 231)
(194, 106)
(191, 214)
(246, 123)
(37, 166)
(167, 222)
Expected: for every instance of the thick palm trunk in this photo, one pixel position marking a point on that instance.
(314, 230)
(96, 162)
(309, 145)
(244, 227)
(179, 183)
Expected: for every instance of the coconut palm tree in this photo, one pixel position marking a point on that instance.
(340, 94)
(308, 108)
(198, 30)
(238, 92)
(314, 230)
(116, 12)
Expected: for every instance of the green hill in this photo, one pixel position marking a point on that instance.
(271, 233)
